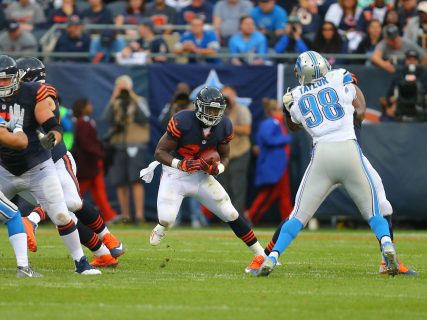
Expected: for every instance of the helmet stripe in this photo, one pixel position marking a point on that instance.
(313, 59)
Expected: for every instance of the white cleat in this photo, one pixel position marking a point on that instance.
(267, 267)
(157, 235)
(27, 272)
(390, 257)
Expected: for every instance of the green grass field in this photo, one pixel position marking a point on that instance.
(198, 274)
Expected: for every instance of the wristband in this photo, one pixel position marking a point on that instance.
(19, 129)
(221, 168)
(175, 163)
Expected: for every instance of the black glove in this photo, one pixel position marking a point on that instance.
(48, 141)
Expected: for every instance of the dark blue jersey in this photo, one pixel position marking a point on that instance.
(187, 130)
(60, 149)
(19, 161)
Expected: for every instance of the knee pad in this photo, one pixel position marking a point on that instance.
(60, 219)
(74, 204)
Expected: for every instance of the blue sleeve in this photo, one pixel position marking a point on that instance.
(347, 78)
(67, 123)
(282, 44)
(94, 47)
(263, 46)
(301, 46)
(281, 18)
(271, 135)
(232, 45)
(119, 44)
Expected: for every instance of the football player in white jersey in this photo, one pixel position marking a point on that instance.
(324, 105)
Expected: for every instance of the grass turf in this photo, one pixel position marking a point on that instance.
(198, 274)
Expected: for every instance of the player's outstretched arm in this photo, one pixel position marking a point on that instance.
(359, 104)
(165, 146)
(17, 140)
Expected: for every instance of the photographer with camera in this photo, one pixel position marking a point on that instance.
(292, 42)
(128, 115)
(406, 96)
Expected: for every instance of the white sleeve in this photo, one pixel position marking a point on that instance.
(334, 14)
(351, 90)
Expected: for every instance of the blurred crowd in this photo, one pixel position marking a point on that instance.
(225, 31)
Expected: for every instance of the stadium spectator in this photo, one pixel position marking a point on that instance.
(406, 94)
(417, 26)
(375, 10)
(234, 179)
(328, 40)
(371, 39)
(198, 8)
(73, 40)
(344, 15)
(104, 47)
(180, 100)
(88, 153)
(272, 176)
(307, 13)
(97, 13)
(3, 21)
(161, 14)
(406, 10)
(249, 41)
(29, 14)
(292, 42)
(148, 42)
(178, 5)
(14, 38)
(128, 114)
(389, 50)
(133, 14)
(61, 15)
(392, 17)
(203, 43)
(226, 17)
(270, 19)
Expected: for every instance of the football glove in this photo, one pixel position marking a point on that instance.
(16, 116)
(190, 165)
(211, 169)
(288, 100)
(48, 141)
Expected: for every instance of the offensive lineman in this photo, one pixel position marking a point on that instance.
(9, 213)
(32, 169)
(91, 227)
(324, 105)
(184, 174)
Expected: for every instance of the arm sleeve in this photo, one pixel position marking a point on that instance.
(269, 135)
(174, 129)
(301, 46)
(282, 44)
(228, 132)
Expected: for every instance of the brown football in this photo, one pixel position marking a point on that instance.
(210, 156)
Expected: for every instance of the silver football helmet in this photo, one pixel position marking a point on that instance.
(310, 66)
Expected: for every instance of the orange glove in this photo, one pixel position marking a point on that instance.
(211, 169)
(190, 165)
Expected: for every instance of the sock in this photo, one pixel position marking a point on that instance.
(257, 249)
(102, 251)
(88, 238)
(274, 254)
(19, 244)
(289, 231)
(273, 241)
(242, 230)
(103, 233)
(37, 215)
(385, 239)
(90, 217)
(379, 226)
(71, 238)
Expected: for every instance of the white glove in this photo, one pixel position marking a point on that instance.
(16, 115)
(288, 100)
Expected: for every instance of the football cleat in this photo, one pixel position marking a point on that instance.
(104, 261)
(115, 246)
(255, 264)
(27, 272)
(267, 267)
(30, 229)
(157, 235)
(83, 267)
(390, 257)
(402, 269)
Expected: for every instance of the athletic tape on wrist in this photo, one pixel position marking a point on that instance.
(175, 163)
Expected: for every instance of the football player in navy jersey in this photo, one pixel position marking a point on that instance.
(185, 174)
(32, 169)
(91, 227)
(9, 213)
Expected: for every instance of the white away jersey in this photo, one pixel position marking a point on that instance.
(325, 107)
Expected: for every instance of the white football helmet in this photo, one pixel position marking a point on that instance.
(310, 66)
